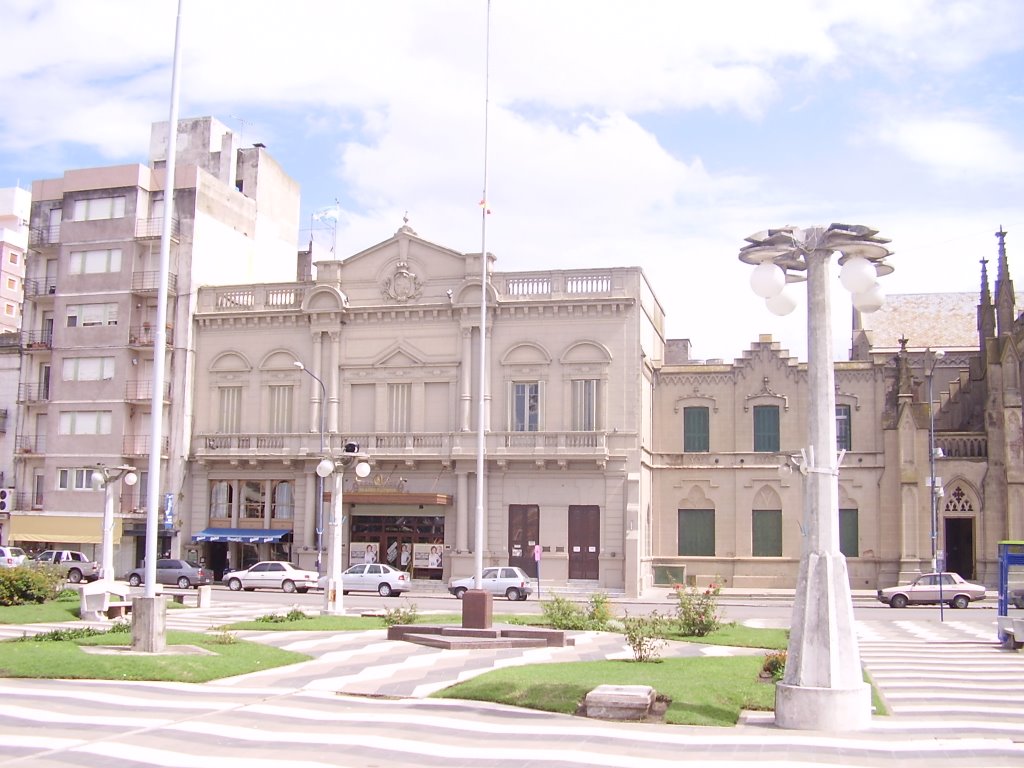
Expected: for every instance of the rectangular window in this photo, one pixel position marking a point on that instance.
(13, 257)
(280, 408)
(584, 405)
(766, 528)
(525, 406)
(75, 479)
(253, 499)
(696, 532)
(85, 422)
(844, 438)
(230, 409)
(399, 396)
(283, 500)
(99, 208)
(849, 533)
(91, 315)
(95, 262)
(696, 429)
(766, 428)
(88, 368)
(12, 284)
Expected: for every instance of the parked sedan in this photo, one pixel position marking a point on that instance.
(513, 583)
(272, 574)
(374, 577)
(183, 573)
(925, 590)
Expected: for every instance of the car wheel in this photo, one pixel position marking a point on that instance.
(288, 585)
(960, 601)
(898, 601)
(134, 580)
(524, 596)
(184, 583)
(234, 585)
(384, 590)
(512, 593)
(460, 592)
(74, 576)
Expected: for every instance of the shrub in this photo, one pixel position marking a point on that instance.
(645, 636)
(26, 584)
(697, 611)
(600, 609)
(774, 665)
(402, 615)
(565, 614)
(276, 618)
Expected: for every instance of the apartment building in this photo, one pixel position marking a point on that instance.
(88, 336)
(389, 345)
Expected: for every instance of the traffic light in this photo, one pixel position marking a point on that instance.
(6, 499)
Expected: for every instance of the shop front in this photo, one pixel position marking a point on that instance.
(406, 531)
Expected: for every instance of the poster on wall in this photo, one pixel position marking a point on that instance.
(427, 555)
(363, 552)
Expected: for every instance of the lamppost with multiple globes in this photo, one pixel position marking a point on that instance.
(319, 477)
(823, 687)
(104, 477)
(351, 456)
(931, 360)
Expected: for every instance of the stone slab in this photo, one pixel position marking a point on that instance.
(620, 702)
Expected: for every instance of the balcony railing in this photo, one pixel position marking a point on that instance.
(384, 445)
(962, 445)
(30, 444)
(149, 282)
(143, 391)
(33, 392)
(45, 287)
(150, 228)
(27, 500)
(37, 339)
(139, 445)
(144, 336)
(49, 235)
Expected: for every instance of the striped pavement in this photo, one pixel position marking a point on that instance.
(954, 696)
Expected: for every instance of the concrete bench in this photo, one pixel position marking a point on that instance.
(204, 596)
(103, 600)
(620, 702)
(118, 608)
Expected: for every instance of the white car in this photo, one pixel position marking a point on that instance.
(11, 557)
(272, 574)
(933, 588)
(374, 577)
(513, 583)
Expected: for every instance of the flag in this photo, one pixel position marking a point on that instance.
(331, 213)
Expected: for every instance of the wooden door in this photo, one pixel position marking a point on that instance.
(523, 535)
(584, 541)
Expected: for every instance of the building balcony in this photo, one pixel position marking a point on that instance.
(404, 446)
(37, 340)
(44, 237)
(962, 445)
(33, 393)
(149, 282)
(142, 391)
(144, 336)
(35, 288)
(135, 446)
(149, 229)
(30, 444)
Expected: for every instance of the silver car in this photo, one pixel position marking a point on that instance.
(375, 577)
(272, 574)
(933, 588)
(182, 573)
(507, 580)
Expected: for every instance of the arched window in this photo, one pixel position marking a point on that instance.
(284, 501)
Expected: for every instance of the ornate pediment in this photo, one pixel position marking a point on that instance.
(403, 285)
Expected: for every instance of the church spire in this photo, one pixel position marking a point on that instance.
(986, 312)
(1005, 302)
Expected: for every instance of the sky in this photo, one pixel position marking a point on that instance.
(605, 132)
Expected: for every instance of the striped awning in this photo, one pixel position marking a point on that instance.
(60, 529)
(243, 535)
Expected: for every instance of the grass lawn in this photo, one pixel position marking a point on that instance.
(704, 691)
(737, 635)
(65, 659)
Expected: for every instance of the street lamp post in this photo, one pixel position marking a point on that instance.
(103, 477)
(334, 601)
(931, 360)
(319, 477)
(823, 687)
